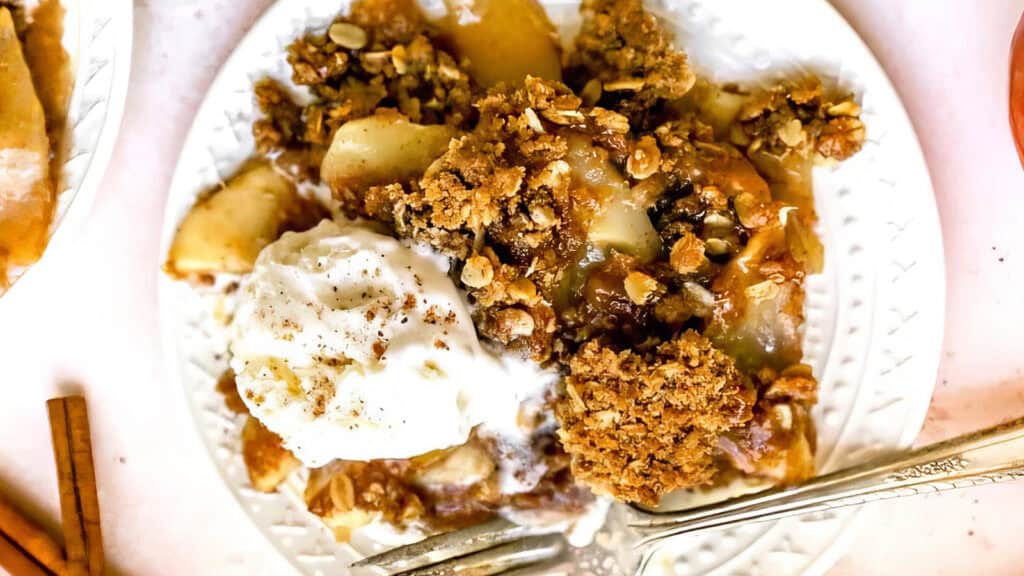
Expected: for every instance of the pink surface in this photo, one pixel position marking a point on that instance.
(86, 318)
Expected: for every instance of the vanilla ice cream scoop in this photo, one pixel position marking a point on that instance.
(351, 345)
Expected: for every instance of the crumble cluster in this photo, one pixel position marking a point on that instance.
(640, 424)
(798, 117)
(624, 60)
(501, 202)
(382, 56)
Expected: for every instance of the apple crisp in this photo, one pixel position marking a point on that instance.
(608, 213)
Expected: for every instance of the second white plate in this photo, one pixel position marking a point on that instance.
(98, 40)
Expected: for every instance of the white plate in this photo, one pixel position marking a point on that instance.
(874, 318)
(98, 40)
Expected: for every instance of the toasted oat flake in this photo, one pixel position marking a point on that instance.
(645, 159)
(449, 72)
(687, 255)
(347, 35)
(748, 211)
(543, 215)
(766, 290)
(533, 121)
(399, 59)
(523, 290)
(629, 84)
(477, 272)
(564, 117)
(342, 492)
(515, 322)
(792, 133)
(845, 108)
(591, 92)
(640, 287)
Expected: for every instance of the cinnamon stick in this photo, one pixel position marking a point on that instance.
(76, 478)
(21, 533)
(16, 562)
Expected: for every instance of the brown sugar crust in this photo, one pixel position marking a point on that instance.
(640, 424)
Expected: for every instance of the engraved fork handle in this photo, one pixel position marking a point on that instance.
(986, 456)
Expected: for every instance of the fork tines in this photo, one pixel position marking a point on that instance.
(502, 540)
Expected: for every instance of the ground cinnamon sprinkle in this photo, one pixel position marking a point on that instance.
(379, 348)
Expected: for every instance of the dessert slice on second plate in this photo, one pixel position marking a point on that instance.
(26, 191)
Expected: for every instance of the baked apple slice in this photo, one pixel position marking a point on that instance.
(381, 149)
(226, 231)
(619, 222)
(504, 40)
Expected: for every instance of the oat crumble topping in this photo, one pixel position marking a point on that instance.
(623, 47)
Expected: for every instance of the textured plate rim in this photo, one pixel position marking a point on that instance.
(916, 420)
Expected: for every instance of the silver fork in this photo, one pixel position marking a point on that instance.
(630, 537)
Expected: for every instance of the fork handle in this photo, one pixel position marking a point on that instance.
(987, 456)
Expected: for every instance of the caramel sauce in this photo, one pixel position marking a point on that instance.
(50, 69)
